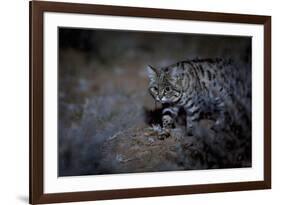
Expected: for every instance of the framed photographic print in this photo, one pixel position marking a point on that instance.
(136, 102)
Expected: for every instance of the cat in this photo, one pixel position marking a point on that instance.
(201, 86)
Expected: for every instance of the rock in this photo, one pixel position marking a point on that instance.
(147, 149)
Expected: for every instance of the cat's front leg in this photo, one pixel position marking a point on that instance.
(189, 126)
(168, 121)
(192, 116)
(220, 121)
(168, 117)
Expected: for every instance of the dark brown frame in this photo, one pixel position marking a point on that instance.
(37, 9)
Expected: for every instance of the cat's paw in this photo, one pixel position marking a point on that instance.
(163, 135)
(160, 132)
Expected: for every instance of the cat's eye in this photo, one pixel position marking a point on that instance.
(167, 89)
(154, 89)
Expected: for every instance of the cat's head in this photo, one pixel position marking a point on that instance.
(164, 84)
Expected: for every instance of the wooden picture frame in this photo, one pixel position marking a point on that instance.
(37, 9)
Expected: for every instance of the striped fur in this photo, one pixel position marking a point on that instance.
(200, 85)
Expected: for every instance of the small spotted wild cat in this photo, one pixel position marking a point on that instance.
(199, 86)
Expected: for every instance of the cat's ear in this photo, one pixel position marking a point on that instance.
(151, 73)
(174, 73)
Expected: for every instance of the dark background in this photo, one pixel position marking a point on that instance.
(103, 91)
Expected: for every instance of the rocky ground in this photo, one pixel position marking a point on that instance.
(147, 150)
